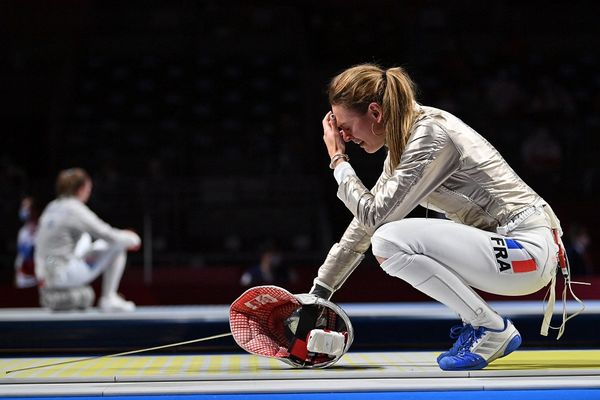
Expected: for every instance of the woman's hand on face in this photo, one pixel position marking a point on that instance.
(332, 136)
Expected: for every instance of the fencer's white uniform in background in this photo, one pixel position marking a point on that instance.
(66, 257)
(498, 237)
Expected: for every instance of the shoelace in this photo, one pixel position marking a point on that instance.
(469, 338)
(459, 332)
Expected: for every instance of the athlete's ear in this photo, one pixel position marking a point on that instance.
(375, 111)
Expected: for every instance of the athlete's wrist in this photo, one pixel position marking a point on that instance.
(338, 158)
(321, 290)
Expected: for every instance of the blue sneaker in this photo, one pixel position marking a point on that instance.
(481, 346)
(461, 333)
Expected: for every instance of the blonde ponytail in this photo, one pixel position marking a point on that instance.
(399, 112)
(361, 85)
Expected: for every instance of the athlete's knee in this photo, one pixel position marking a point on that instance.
(116, 251)
(383, 244)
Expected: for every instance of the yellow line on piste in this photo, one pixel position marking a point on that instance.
(548, 359)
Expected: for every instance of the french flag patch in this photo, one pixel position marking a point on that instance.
(511, 256)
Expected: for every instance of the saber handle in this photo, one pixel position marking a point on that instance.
(222, 335)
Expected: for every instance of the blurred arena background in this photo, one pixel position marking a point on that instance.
(194, 117)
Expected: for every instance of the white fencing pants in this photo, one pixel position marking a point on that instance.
(91, 260)
(445, 260)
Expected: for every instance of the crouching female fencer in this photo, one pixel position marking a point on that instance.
(66, 257)
(501, 237)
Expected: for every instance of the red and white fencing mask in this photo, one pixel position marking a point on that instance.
(302, 330)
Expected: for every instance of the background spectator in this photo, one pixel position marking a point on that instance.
(29, 214)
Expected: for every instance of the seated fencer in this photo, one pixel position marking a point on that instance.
(74, 246)
(500, 236)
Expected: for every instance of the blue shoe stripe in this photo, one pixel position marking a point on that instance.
(512, 345)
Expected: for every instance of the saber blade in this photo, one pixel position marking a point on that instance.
(204, 339)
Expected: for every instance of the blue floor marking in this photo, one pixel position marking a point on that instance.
(579, 394)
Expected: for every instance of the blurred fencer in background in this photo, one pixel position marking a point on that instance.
(74, 246)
